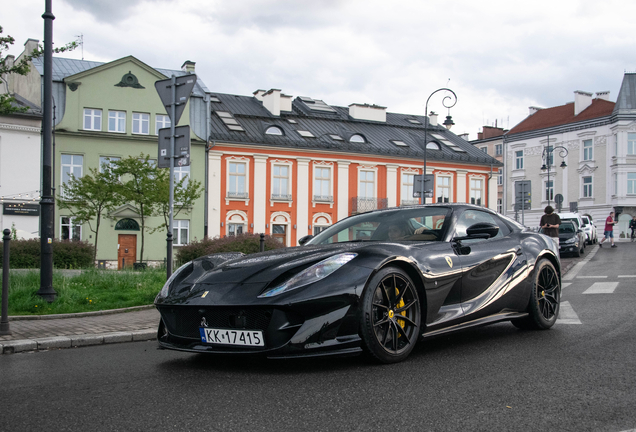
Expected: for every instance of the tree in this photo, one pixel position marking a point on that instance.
(89, 197)
(186, 192)
(22, 67)
(137, 187)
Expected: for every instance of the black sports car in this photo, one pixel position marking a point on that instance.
(374, 282)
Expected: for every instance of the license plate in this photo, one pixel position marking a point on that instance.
(232, 337)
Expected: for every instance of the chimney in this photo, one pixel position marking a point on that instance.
(271, 101)
(464, 136)
(258, 94)
(368, 112)
(533, 109)
(285, 102)
(603, 95)
(491, 132)
(582, 100)
(30, 45)
(188, 66)
(432, 119)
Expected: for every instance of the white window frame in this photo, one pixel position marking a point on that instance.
(287, 196)
(587, 188)
(107, 161)
(317, 222)
(180, 172)
(319, 198)
(75, 164)
(476, 193)
(498, 149)
(499, 205)
(161, 122)
(631, 143)
(178, 226)
(70, 226)
(141, 123)
(484, 149)
(245, 197)
(631, 182)
(407, 185)
(518, 159)
(366, 170)
(588, 150)
(548, 190)
(95, 118)
(442, 189)
(234, 219)
(119, 117)
(283, 219)
(500, 176)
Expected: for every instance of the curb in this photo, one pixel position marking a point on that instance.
(11, 347)
(80, 314)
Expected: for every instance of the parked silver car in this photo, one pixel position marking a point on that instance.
(590, 230)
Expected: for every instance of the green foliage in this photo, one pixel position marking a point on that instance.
(25, 254)
(186, 192)
(247, 243)
(92, 290)
(22, 67)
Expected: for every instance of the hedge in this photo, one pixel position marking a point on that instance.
(247, 243)
(66, 254)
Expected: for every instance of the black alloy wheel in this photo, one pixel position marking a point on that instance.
(545, 298)
(390, 321)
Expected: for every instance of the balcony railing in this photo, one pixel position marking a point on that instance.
(323, 198)
(239, 195)
(409, 202)
(361, 204)
(281, 197)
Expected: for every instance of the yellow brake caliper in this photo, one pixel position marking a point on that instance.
(399, 305)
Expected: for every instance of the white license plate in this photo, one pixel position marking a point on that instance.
(232, 337)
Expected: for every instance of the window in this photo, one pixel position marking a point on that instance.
(69, 230)
(273, 130)
(234, 229)
(615, 184)
(587, 187)
(484, 149)
(72, 165)
(631, 143)
(357, 138)
(279, 232)
(180, 232)
(182, 172)
(631, 183)
(519, 159)
(229, 121)
(471, 217)
(280, 185)
(550, 155)
(587, 150)
(443, 189)
(106, 163)
(366, 188)
(399, 143)
(499, 205)
(322, 184)
(549, 190)
(500, 176)
(117, 121)
(141, 123)
(237, 181)
(92, 119)
(475, 191)
(432, 146)
(498, 149)
(161, 121)
(305, 134)
(407, 189)
(318, 229)
(336, 137)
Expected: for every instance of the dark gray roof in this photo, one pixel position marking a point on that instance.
(626, 102)
(32, 110)
(63, 67)
(255, 119)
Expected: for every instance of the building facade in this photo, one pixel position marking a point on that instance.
(490, 141)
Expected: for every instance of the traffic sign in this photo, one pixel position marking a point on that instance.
(181, 147)
(184, 86)
(428, 187)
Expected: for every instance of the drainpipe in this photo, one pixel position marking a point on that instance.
(207, 150)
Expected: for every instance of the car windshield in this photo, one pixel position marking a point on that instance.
(413, 224)
(567, 228)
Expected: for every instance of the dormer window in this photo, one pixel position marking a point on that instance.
(336, 137)
(274, 130)
(432, 146)
(357, 138)
(305, 134)
(414, 121)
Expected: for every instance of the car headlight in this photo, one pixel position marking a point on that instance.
(166, 288)
(311, 274)
(570, 241)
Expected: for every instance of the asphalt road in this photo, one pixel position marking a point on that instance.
(579, 376)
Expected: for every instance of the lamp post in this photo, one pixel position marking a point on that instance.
(545, 157)
(448, 123)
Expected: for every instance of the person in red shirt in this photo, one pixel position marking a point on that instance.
(609, 230)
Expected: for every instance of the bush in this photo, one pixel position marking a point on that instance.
(66, 254)
(246, 243)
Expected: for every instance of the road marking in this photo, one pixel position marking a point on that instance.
(591, 277)
(627, 276)
(577, 268)
(567, 314)
(601, 288)
(565, 284)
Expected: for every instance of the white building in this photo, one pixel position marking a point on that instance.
(589, 146)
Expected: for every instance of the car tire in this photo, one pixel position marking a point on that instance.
(545, 299)
(577, 253)
(390, 316)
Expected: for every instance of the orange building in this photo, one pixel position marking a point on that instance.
(289, 168)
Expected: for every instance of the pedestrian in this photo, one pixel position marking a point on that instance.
(632, 226)
(609, 230)
(550, 222)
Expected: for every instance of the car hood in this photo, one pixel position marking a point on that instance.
(567, 236)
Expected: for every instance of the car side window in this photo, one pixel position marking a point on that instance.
(471, 217)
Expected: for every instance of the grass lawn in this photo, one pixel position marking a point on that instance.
(92, 290)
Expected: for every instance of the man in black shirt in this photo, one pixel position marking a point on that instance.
(550, 222)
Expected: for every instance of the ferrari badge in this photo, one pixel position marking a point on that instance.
(449, 260)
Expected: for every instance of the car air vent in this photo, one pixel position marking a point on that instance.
(207, 265)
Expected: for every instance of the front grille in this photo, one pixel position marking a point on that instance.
(185, 321)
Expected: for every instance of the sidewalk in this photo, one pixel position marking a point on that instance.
(33, 333)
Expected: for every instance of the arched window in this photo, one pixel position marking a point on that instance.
(274, 130)
(357, 138)
(432, 146)
(127, 224)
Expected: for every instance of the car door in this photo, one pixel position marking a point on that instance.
(488, 267)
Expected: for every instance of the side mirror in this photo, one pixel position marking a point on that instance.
(482, 230)
(303, 240)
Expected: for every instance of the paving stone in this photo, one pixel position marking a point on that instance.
(54, 342)
(117, 337)
(87, 339)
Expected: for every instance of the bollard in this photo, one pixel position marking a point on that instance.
(4, 321)
(123, 263)
(262, 242)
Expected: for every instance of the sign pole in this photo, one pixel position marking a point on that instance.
(173, 107)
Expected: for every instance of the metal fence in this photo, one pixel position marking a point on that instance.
(361, 205)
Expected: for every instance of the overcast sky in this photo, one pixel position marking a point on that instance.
(500, 57)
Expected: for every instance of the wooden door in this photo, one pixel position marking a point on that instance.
(127, 250)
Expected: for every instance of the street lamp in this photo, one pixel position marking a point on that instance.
(545, 157)
(448, 123)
